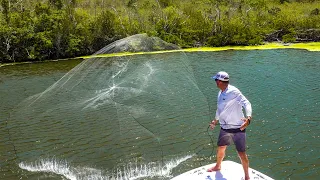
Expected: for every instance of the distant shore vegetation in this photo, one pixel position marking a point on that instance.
(36, 30)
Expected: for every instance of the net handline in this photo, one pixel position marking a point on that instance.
(211, 139)
(10, 139)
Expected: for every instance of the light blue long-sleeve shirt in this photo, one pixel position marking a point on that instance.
(229, 108)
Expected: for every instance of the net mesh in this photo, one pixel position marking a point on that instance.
(115, 110)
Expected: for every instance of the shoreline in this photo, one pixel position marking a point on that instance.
(31, 62)
(311, 46)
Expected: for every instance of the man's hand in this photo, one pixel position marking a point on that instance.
(213, 124)
(246, 123)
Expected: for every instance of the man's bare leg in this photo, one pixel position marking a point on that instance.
(245, 164)
(220, 155)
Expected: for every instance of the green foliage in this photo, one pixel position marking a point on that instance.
(43, 45)
(289, 38)
(283, 1)
(169, 27)
(5, 46)
(74, 45)
(56, 3)
(166, 3)
(216, 40)
(52, 29)
(5, 9)
(315, 12)
(197, 27)
(102, 29)
(171, 38)
(274, 11)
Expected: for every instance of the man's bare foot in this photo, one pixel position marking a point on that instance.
(215, 168)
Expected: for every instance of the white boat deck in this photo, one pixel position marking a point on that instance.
(229, 171)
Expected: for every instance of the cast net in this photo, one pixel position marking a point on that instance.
(109, 112)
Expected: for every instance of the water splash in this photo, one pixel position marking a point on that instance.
(131, 171)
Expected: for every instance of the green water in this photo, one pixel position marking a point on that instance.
(282, 85)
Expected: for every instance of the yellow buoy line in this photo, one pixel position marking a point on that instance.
(313, 46)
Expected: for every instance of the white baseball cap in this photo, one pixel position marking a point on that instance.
(222, 76)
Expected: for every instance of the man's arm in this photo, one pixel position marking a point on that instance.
(246, 123)
(245, 103)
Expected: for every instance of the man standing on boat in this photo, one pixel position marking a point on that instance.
(232, 121)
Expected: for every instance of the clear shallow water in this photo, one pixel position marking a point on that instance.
(283, 140)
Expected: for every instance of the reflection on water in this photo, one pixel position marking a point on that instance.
(282, 140)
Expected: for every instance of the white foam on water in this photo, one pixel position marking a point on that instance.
(130, 172)
(50, 165)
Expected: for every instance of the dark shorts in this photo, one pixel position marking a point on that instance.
(236, 136)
